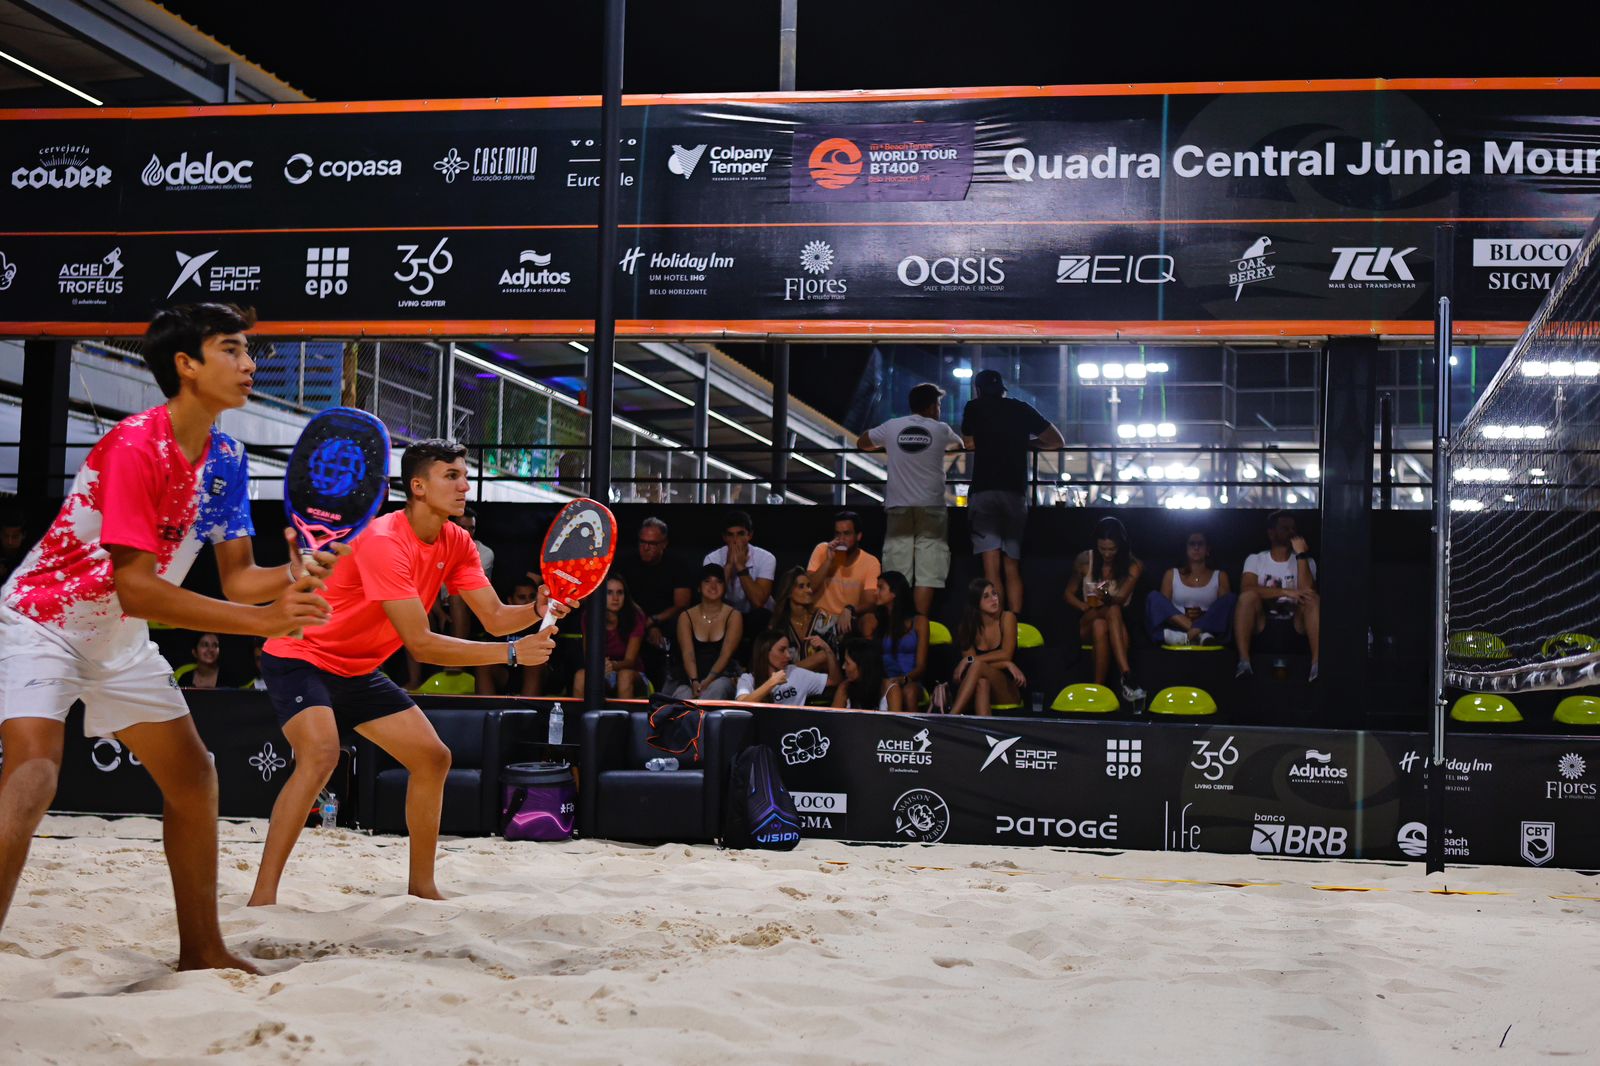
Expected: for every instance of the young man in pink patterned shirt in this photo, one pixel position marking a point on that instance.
(73, 615)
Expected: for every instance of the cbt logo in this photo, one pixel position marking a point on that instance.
(1273, 835)
(1538, 842)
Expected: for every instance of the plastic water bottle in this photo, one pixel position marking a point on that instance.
(330, 810)
(558, 724)
(668, 763)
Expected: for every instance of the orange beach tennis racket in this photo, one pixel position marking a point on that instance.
(577, 552)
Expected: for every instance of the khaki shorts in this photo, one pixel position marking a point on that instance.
(917, 544)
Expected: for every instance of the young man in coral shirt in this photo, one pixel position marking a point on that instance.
(331, 678)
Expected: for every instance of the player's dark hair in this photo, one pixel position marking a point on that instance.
(414, 462)
(184, 329)
(924, 396)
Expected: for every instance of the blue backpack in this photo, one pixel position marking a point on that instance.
(760, 812)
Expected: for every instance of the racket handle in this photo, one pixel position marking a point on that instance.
(549, 620)
(305, 553)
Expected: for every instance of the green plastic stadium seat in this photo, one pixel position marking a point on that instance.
(1028, 636)
(1485, 707)
(938, 633)
(1184, 700)
(1578, 710)
(184, 671)
(1191, 647)
(1477, 644)
(445, 683)
(1085, 699)
(1559, 647)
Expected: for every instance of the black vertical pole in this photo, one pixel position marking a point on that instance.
(780, 421)
(42, 451)
(603, 352)
(1385, 452)
(1444, 258)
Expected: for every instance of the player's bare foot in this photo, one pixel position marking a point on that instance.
(428, 891)
(260, 899)
(218, 958)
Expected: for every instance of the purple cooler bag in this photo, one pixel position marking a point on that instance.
(539, 801)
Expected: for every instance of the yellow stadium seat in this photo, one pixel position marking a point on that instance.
(938, 633)
(1485, 707)
(1578, 710)
(1085, 699)
(445, 683)
(1476, 644)
(1183, 700)
(1028, 636)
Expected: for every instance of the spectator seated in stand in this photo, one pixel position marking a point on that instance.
(519, 680)
(708, 639)
(1196, 602)
(1278, 586)
(902, 636)
(206, 670)
(772, 678)
(624, 638)
(662, 586)
(256, 684)
(748, 572)
(987, 674)
(799, 618)
(1102, 583)
(844, 575)
(862, 687)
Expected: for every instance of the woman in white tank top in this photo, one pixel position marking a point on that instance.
(1195, 604)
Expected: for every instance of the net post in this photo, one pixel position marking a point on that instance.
(1443, 284)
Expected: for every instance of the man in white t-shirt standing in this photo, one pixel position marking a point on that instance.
(916, 542)
(1279, 583)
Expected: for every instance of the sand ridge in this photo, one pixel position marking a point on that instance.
(594, 952)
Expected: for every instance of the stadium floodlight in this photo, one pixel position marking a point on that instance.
(1157, 473)
(1466, 505)
(1587, 368)
(1066, 475)
(962, 372)
(1416, 495)
(1509, 498)
(1560, 368)
(1135, 371)
(1534, 368)
(581, 347)
(1112, 371)
(1247, 472)
(1313, 470)
(1536, 471)
(1122, 497)
(1088, 371)
(1147, 430)
(1127, 431)
(1156, 368)
(1166, 429)
(1132, 472)
(1291, 498)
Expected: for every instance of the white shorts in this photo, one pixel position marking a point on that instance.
(42, 675)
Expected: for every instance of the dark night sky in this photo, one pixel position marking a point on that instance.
(362, 50)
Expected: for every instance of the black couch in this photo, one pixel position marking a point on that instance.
(618, 799)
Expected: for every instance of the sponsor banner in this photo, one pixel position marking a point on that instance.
(1232, 208)
(921, 161)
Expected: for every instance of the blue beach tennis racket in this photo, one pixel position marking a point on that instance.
(337, 478)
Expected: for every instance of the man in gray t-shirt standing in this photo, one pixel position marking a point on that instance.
(917, 542)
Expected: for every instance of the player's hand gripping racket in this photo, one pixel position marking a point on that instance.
(337, 477)
(577, 552)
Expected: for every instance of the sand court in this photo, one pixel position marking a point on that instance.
(590, 951)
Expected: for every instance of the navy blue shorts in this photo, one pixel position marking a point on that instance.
(294, 684)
